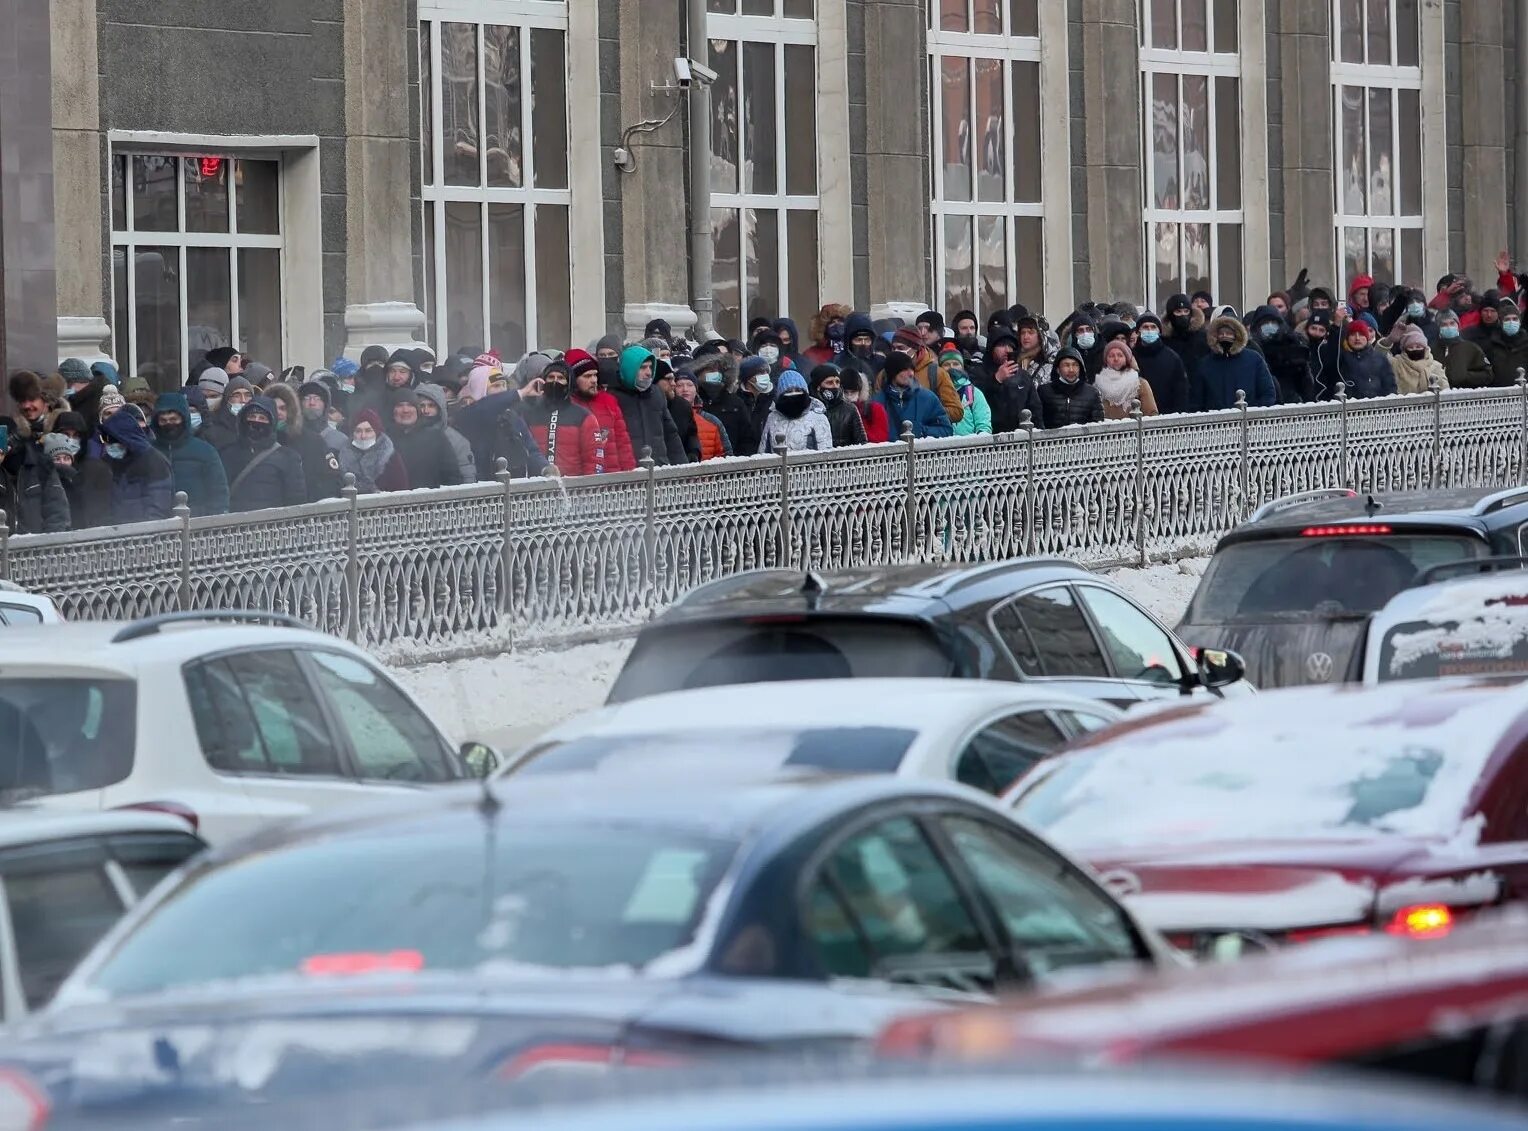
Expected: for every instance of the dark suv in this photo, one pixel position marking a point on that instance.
(1020, 620)
(1292, 588)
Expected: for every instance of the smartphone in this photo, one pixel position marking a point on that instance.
(5, 437)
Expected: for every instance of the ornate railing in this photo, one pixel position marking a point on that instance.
(495, 566)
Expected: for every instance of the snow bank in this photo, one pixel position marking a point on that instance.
(508, 700)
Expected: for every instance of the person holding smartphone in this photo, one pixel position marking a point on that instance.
(30, 489)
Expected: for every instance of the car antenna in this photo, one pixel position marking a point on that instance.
(1371, 506)
(813, 588)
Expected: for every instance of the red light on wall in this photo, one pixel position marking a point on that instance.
(209, 167)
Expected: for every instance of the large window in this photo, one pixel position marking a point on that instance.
(196, 261)
(494, 97)
(1191, 88)
(764, 192)
(1377, 127)
(984, 86)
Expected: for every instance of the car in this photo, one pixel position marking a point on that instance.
(1029, 620)
(1451, 1010)
(1472, 625)
(1301, 813)
(231, 719)
(65, 878)
(1290, 589)
(981, 733)
(17, 606)
(502, 927)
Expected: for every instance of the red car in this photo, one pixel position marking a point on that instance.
(1301, 813)
(1454, 1009)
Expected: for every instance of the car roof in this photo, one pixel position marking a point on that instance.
(903, 703)
(90, 644)
(1460, 507)
(23, 824)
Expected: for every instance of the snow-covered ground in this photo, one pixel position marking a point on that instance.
(508, 700)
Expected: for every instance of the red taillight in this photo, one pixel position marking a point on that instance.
(1422, 921)
(23, 1104)
(583, 1056)
(351, 964)
(173, 808)
(1348, 530)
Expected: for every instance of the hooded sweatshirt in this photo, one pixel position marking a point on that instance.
(436, 395)
(645, 410)
(142, 479)
(262, 472)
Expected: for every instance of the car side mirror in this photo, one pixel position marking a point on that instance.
(480, 759)
(1231, 946)
(1219, 668)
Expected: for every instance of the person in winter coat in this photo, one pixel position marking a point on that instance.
(906, 401)
(1034, 352)
(1286, 355)
(1183, 331)
(716, 382)
(85, 389)
(320, 466)
(433, 413)
(1415, 367)
(34, 412)
(1121, 386)
(31, 490)
(909, 342)
(1009, 384)
(798, 417)
(1355, 360)
(1068, 398)
(977, 420)
(1083, 334)
(859, 349)
(1507, 346)
(222, 431)
(141, 477)
(1230, 367)
(424, 449)
(872, 413)
(826, 384)
(645, 409)
(563, 429)
(1160, 366)
(757, 390)
(791, 345)
(367, 452)
(1408, 307)
(1321, 363)
(262, 473)
(679, 409)
(828, 334)
(89, 503)
(612, 443)
(1464, 362)
(195, 466)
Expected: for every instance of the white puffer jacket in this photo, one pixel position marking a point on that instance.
(809, 432)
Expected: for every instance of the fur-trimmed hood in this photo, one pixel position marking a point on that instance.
(1238, 341)
(1195, 323)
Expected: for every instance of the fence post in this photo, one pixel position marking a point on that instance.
(1342, 450)
(910, 511)
(1246, 454)
(1522, 469)
(1027, 422)
(1140, 479)
(352, 496)
(182, 511)
(784, 534)
(650, 516)
(506, 574)
(5, 546)
(1436, 388)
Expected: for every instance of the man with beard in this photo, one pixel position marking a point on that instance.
(563, 429)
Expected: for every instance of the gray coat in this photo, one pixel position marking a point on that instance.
(809, 432)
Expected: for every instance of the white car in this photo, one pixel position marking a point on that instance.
(65, 880)
(1475, 625)
(230, 719)
(982, 733)
(18, 607)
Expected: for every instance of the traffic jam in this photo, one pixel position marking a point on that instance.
(929, 846)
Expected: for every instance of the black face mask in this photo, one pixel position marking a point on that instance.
(1226, 347)
(830, 396)
(1416, 355)
(793, 405)
(260, 431)
(862, 351)
(555, 391)
(1181, 321)
(170, 432)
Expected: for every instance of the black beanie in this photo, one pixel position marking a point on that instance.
(896, 363)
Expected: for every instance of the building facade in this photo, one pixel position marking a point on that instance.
(303, 177)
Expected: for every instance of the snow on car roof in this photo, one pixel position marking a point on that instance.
(1399, 759)
(1482, 617)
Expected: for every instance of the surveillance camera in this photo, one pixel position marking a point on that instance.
(682, 71)
(687, 71)
(703, 74)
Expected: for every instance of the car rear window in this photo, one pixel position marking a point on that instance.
(771, 649)
(1481, 646)
(746, 751)
(60, 735)
(521, 896)
(1301, 578)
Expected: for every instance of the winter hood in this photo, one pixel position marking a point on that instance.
(173, 402)
(632, 360)
(1239, 333)
(123, 427)
(436, 396)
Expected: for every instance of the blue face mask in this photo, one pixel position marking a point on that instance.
(1151, 337)
(116, 451)
(1510, 327)
(1086, 341)
(196, 421)
(1415, 310)
(763, 383)
(1268, 330)
(712, 378)
(1448, 333)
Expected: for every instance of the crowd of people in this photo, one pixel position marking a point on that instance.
(86, 448)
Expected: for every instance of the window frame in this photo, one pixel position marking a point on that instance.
(1048, 711)
(1185, 669)
(1087, 616)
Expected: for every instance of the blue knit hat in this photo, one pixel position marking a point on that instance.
(344, 367)
(792, 382)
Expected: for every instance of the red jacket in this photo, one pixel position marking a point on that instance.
(567, 433)
(713, 440)
(877, 423)
(820, 354)
(612, 443)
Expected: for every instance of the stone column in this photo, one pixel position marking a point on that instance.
(380, 293)
(1112, 151)
(1304, 27)
(78, 182)
(897, 150)
(28, 299)
(1483, 137)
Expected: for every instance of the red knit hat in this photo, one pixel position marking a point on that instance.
(908, 336)
(579, 362)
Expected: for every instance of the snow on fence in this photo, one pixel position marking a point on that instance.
(490, 567)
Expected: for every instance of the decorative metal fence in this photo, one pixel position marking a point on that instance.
(495, 566)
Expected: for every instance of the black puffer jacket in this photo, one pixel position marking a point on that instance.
(1065, 404)
(1287, 356)
(1163, 370)
(276, 480)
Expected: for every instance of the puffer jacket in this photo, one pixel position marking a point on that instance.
(33, 493)
(1366, 373)
(844, 420)
(1507, 355)
(612, 443)
(1163, 370)
(565, 431)
(458, 442)
(714, 441)
(977, 420)
(1065, 404)
(1464, 364)
(276, 481)
(141, 482)
(1216, 379)
(916, 406)
(809, 432)
(1286, 355)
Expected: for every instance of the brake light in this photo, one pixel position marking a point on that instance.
(350, 964)
(583, 1056)
(23, 1104)
(173, 808)
(1422, 921)
(1349, 530)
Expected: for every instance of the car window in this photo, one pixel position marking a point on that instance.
(1003, 752)
(256, 713)
(908, 908)
(1054, 917)
(831, 926)
(19, 614)
(391, 739)
(1137, 646)
(59, 910)
(1009, 626)
(1063, 639)
(1083, 722)
(63, 735)
(147, 859)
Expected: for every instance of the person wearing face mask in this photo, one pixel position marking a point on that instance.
(262, 472)
(757, 388)
(320, 467)
(1160, 367)
(710, 434)
(872, 413)
(826, 384)
(563, 429)
(89, 504)
(222, 430)
(141, 477)
(1120, 385)
(1085, 338)
(906, 402)
(424, 450)
(1321, 363)
(976, 419)
(1284, 352)
(32, 492)
(645, 409)
(860, 353)
(367, 453)
(1407, 308)
(1068, 398)
(213, 383)
(194, 464)
(1353, 358)
(716, 380)
(1507, 347)
(828, 329)
(797, 416)
(1464, 363)
(909, 342)
(1414, 367)
(433, 415)
(1228, 367)
(791, 345)
(1183, 331)
(766, 344)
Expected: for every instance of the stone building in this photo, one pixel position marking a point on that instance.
(302, 177)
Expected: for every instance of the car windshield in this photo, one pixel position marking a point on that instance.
(771, 649)
(1473, 627)
(746, 751)
(61, 735)
(1302, 578)
(523, 896)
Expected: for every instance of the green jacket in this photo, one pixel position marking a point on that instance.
(978, 418)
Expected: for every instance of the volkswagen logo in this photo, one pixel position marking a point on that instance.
(1121, 883)
(1318, 667)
